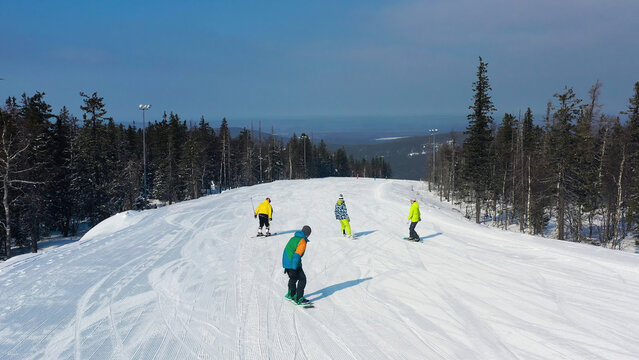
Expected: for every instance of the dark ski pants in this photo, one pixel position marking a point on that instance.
(412, 233)
(264, 221)
(296, 282)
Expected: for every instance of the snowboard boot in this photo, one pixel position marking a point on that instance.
(301, 301)
(289, 296)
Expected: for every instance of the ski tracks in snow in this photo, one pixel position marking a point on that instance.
(188, 282)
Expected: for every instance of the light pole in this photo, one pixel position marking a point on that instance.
(304, 137)
(432, 169)
(144, 108)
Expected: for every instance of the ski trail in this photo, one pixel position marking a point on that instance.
(186, 281)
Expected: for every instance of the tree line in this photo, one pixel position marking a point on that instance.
(576, 169)
(58, 171)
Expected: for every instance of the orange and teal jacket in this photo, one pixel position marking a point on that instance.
(414, 215)
(264, 208)
(294, 250)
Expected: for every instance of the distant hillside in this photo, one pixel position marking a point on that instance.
(407, 156)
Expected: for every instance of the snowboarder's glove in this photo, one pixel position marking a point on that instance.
(270, 219)
(255, 216)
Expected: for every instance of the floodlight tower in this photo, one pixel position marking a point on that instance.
(432, 169)
(144, 108)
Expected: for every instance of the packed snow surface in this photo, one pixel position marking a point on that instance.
(190, 281)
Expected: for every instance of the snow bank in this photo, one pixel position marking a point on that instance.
(114, 224)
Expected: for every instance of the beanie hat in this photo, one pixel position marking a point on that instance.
(268, 199)
(341, 197)
(306, 230)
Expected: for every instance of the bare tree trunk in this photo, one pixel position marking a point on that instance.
(35, 233)
(617, 241)
(223, 165)
(452, 175)
(522, 179)
(560, 207)
(7, 212)
(579, 223)
(290, 164)
(504, 210)
(477, 208)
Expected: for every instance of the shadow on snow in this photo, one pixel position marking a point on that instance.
(362, 233)
(430, 236)
(328, 291)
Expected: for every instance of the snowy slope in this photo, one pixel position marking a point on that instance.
(188, 281)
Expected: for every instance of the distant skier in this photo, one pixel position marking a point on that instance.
(292, 263)
(265, 213)
(342, 215)
(414, 216)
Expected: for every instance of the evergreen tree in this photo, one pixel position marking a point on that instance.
(633, 161)
(479, 137)
(207, 142)
(92, 177)
(275, 169)
(293, 158)
(324, 165)
(533, 167)
(249, 167)
(224, 154)
(190, 169)
(35, 114)
(62, 204)
(563, 153)
(340, 163)
(503, 171)
(305, 155)
(167, 185)
(585, 179)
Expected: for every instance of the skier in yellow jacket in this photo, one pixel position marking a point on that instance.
(265, 213)
(414, 216)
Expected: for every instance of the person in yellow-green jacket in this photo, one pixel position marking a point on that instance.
(265, 213)
(414, 216)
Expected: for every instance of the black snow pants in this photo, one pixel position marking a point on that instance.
(296, 282)
(264, 221)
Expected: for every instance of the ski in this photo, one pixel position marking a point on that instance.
(263, 235)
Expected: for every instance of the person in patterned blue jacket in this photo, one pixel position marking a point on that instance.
(342, 215)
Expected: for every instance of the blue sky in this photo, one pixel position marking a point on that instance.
(301, 59)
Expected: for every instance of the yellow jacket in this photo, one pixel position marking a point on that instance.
(265, 208)
(414, 215)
